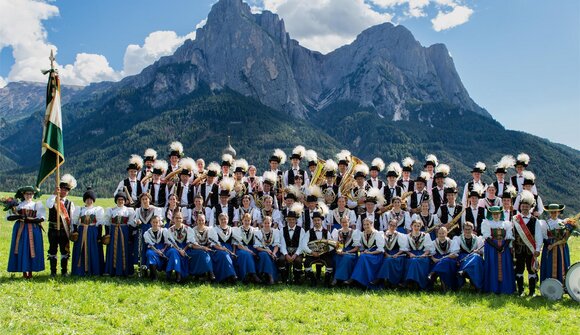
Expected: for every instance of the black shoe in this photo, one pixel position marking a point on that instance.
(334, 283)
(520, 284)
(178, 277)
(211, 276)
(377, 281)
(348, 282)
(532, 284)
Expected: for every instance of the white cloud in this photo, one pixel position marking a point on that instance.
(2, 82)
(445, 20)
(88, 68)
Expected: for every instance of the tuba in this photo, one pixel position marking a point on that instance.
(318, 178)
(348, 183)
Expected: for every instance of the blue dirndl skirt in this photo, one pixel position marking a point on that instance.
(472, 265)
(366, 268)
(493, 283)
(223, 264)
(21, 257)
(119, 260)
(393, 269)
(87, 256)
(417, 269)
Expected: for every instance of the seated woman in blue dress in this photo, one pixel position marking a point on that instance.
(392, 270)
(554, 238)
(117, 220)
(245, 252)
(444, 262)
(348, 240)
(498, 263)
(157, 244)
(26, 248)
(468, 248)
(179, 255)
(420, 248)
(88, 257)
(200, 263)
(371, 256)
(267, 244)
(222, 259)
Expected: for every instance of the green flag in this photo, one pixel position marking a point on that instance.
(52, 141)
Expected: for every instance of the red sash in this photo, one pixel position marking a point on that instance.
(526, 236)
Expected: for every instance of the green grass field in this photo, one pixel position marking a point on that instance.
(133, 306)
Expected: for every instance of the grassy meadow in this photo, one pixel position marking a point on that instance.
(133, 306)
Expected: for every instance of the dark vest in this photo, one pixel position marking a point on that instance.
(445, 212)
(496, 185)
(411, 185)
(376, 224)
(514, 182)
(437, 200)
(160, 200)
(380, 183)
(52, 211)
(212, 198)
(218, 211)
(387, 193)
(414, 202)
(127, 184)
(293, 242)
(291, 176)
(476, 221)
(306, 222)
(313, 237)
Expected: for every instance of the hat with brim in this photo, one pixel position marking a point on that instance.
(20, 193)
(554, 208)
(158, 172)
(506, 195)
(311, 198)
(224, 193)
(292, 214)
(371, 200)
(522, 163)
(476, 170)
(149, 159)
(120, 195)
(448, 190)
(495, 209)
(474, 194)
(392, 174)
(343, 162)
(317, 214)
(290, 196)
(185, 172)
(330, 174)
(408, 168)
(296, 156)
(133, 167)
(239, 169)
(211, 173)
(420, 179)
(360, 175)
(89, 194)
(274, 159)
(226, 163)
(175, 153)
(501, 170)
(529, 182)
(439, 175)
(65, 186)
(312, 163)
(427, 163)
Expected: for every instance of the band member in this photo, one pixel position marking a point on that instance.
(506, 162)
(268, 210)
(289, 176)
(334, 217)
(183, 189)
(223, 206)
(227, 162)
(391, 188)
(444, 263)
(26, 247)
(143, 216)
(252, 180)
(59, 228)
(377, 165)
(476, 172)
(330, 188)
(172, 208)
(359, 191)
(371, 256)
(396, 247)
(175, 154)
(131, 185)
(244, 239)
(522, 162)
(222, 238)
(200, 167)
(507, 197)
(245, 208)
(430, 221)
(498, 268)
(291, 196)
(374, 197)
(490, 198)
(398, 214)
(87, 256)
(292, 246)
(157, 243)
(117, 220)
(407, 183)
(240, 186)
(210, 189)
(467, 249)
(149, 158)
(278, 158)
(343, 159)
(438, 191)
(420, 248)
(528, 185)
(179, 255)
(197, 210)
(555, 253)
(300, 187)
(451, 210)
(317, 233)
(156, 188)
(267, 188)
(312, 158)
(201, 263)
(267, 245)
(419, 194)
(527, 233)
(473, 212)
(431, 163)
(312, 205)
(348, 243)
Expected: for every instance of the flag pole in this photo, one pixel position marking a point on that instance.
(57, 174)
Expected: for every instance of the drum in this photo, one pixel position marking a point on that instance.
(552, 289)
(573, 281)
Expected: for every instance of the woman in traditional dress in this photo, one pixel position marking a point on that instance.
(334, 217)
(267, 245)
(554, 238)
(200, 263)
(397, 213)
(117, 220)
(245, 208)
(157, 243)
(179, 255)
(143, 216)
(26, 248)
(88, 257)
(171, 208)
(490, 198)
(430, 221)
(444, 262)
(222, 238)
(268, 210)
(371, 256)
(197, 210)
(420, 248)
(348, 243)
(392, 270)
(245, 252)
(498, 263)
(469, 250)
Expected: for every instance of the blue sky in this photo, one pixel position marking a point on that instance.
(518, 59)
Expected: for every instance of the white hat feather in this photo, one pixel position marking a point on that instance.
(443, 168)
(297, 208)
(432, 158)
(529, 175)
(151, 153)
(241, 163)
(408, 162)
(376, 193)
(379, 163)
(271, 176)
(69, 180)
(213, 166)
(449, 183)
(523, 157)
(281, 155)
(343, 155)
(506, 162)
(322, 208)
(176, 146)
(228, 158)
(330, 165)
(137, 160)
(361, 168)
(299, 150)
(187, 163)
(311, 156)
(227, 184)
(527, 197)
(161, 165)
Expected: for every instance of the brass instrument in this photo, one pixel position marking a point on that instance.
(348, 183)
(319, 175)
(201, 178)
(147, 177)
(329, 196)
(171, 175)
(129, 196)
(322, 246)
(455, 222)
(403, 203)
(359, 194)
(259, 200)
(239, 188)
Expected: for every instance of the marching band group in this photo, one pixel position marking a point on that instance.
(225, 223)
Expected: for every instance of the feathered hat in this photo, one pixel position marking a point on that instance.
(523, 159)
(450, 186)
(298, 152)
(320, 211)
(293, 192)
(343, 157)
(176, 149)
(442, 171)
(135, 163)
(431, 159)
(361, 171)
(213, 169)
(187, 165)
(422, 177)
(477, 190)
(226, 186)
(295, 210)
(278, 156)
(314, 193)
(330, 166)
(271, 178)
(394, 170)
(479, 167)
(527, 197)
(68, 181)
(150, 155)
(505, 163)
(160, 167)
(509, 192)
(529, 178)
(311, 157)
(377, 165)
(241, 165)
(227, 160)
(408, 163)
(375, 196)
